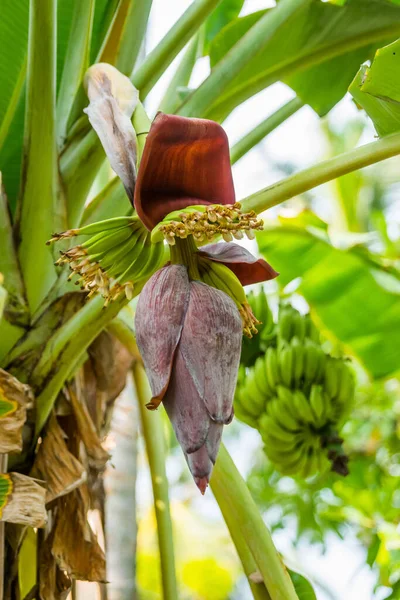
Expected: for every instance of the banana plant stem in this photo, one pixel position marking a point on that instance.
(123, 44)
(76, 63)
(321, 173)
(153, 434)
(264, 128)
(141, 124)
(39, 185)
(258, 589)
(232, 491)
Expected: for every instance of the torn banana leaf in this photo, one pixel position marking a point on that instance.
(376, 89)
(15, 398)
(56, 465)
(22, 500)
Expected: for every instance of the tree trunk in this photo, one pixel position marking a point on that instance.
(120, 484)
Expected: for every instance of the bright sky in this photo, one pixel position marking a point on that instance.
(299, 141)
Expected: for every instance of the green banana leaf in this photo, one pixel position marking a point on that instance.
(103, 16)
(354, 299)
(7, 407)
(317, 51)
(303, 587)
(225, 12)
(14, 24)
(14, 29)
(5, 490)
(376, 89)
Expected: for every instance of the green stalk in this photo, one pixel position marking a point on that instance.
(76, 63)
(259, 590)
(229, 487)
(238, 57)
(321, 173)
(153, 433)
(39, 172)
(181, 78)
(141, 124)
(264, 128)
(161, 57)
(184, 252)
(89, 152)
(126, 36)
(124, 333)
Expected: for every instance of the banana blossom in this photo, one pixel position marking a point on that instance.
(191, 313)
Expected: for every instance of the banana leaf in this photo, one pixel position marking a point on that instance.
(354, 299)
(317, 51)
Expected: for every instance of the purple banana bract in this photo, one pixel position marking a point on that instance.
(189, 335)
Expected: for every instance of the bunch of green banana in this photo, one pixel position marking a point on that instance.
(298, 397)
(117, 254)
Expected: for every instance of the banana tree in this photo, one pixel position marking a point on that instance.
(74, 87)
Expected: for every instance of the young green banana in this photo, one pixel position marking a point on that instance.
(285, 364)
(271, 368)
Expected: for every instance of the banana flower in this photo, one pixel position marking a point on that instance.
(192, 310)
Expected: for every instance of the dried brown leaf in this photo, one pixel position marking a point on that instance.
(11, 424)
(26, 503)
(55, 464)
(54, 582)
(74, 545)
(104, 376)
(96, 454)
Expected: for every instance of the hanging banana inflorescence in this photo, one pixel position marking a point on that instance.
(294, 393)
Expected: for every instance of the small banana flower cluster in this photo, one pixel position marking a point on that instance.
(192, 311)
(207, 222)
(118, 253)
